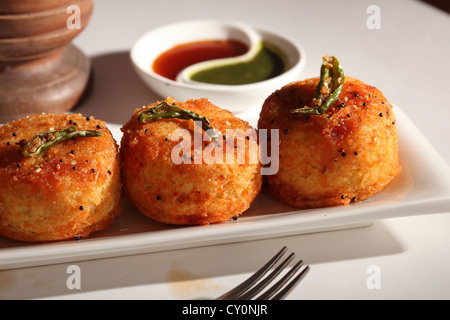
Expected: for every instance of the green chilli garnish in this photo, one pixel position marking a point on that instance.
(41, 142)
(328, 89)
(165, 110)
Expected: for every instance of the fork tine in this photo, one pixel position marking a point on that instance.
(291, 284)
(272, 292)
(263, 283)
(237, 291)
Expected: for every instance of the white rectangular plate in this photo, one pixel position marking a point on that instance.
(423, 187)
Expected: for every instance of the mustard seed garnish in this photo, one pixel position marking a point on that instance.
(81, 208)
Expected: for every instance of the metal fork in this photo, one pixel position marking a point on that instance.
(250, 288)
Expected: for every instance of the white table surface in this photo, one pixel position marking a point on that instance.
(407, 58)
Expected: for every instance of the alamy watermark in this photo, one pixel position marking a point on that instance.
(74, 280)
(74, 20)
(374, 20)
(374, 279)
(234, 146)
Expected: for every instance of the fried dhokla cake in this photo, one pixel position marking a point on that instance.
(59, 177)
(337, 139)
(189, 163)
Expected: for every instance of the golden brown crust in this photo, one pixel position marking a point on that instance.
(348, 154)
(186, 193)
(70, 190)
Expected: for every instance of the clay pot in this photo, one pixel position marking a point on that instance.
(29, 6)
(40, 71)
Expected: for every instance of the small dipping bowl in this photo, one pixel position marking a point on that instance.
(235, 98)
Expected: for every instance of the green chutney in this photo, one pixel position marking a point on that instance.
(266, 64)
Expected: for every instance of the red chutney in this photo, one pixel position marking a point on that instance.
(173, 61)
